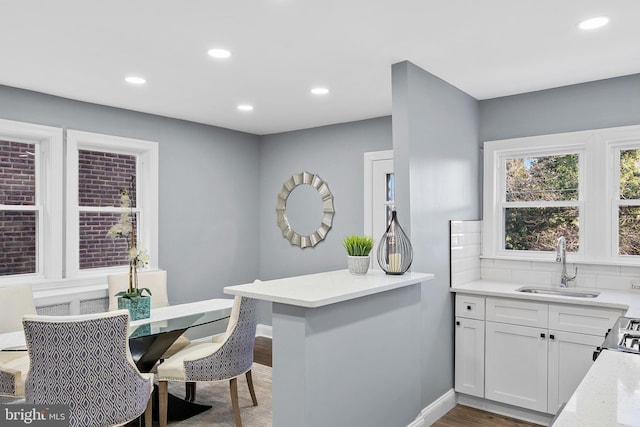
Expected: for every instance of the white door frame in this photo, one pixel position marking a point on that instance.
(370, 158)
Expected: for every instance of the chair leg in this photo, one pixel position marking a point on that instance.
(234, 401)
(251, 390)
(163, 397)
(190, 391)
(148, 413)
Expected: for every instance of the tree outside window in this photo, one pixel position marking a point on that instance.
(541, 202)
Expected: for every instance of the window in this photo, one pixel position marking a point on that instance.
(98, 167)
(541, 201)
(627, 202)
(30, 201)
(33, 247)
(584, 186)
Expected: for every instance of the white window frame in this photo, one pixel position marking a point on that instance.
(618, 142)
(146, 153)
(599, 180)
(48, 143)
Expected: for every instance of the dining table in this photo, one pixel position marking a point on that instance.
(149, 338)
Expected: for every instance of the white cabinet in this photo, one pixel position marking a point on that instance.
(574, 333)
(469, 342)
(570, 357)
(536, 354)
(516, 355)
(469, 356)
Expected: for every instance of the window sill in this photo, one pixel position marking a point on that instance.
(552, 260)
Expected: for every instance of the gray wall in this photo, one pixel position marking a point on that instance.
(600, 104)
(336, 154)
(436, 164)
(208, 188)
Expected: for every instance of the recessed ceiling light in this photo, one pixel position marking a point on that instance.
(593, 23)
(319, 91)
(134, 80)
(245, 107)
(219, 53)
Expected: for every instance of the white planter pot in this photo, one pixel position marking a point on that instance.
(358, 264)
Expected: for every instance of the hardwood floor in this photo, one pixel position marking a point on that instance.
(465, 416)
(460, 416)
(262, 351)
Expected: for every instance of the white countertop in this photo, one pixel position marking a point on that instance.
(320, 289)
(611, 299)
(609, 395)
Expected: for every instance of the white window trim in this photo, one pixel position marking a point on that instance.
(49, 169)
(147, 177)
(598, 228)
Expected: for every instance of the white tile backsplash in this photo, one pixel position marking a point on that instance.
(465, 251)
(467, 265)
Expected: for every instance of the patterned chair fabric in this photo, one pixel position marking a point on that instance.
(85, 362)
(224, 359)
(15, 302)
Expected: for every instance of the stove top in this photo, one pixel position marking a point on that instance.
(624, 335)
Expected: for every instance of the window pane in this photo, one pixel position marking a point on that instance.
(96, 248)
(629, 230)
(390, 196)
(18, 242)
(538, 229)
(543, 178)
(630, 174)
(17, 173)
(101, 175)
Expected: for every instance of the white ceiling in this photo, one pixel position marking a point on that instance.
(83, 49)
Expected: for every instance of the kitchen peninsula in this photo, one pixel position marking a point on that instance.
(346, 348)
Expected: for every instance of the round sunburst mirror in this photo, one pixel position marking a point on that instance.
(304, 202)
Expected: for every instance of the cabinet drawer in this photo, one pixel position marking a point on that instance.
(518, 312)
(469, 306)
(582, 320)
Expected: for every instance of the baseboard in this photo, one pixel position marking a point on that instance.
(436, 410)
(504, 409)
(264, 331)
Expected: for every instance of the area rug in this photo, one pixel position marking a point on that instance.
(217, 395)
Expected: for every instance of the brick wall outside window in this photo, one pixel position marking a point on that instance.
(17, 229)
(101, 176)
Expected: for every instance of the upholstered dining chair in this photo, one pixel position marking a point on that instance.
(226, 358)
(84, 362)
(15, 302)
(156, 282)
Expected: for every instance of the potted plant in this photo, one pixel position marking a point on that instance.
(358, 249)
(132, 299)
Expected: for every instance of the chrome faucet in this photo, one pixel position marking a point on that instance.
(561, 256)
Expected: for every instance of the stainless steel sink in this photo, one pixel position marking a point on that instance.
(558, 291)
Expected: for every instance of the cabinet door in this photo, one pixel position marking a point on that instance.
(570, 357)
(516, 365)
(469, 356)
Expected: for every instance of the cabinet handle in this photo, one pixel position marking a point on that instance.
(551, 337)
(468, 307)
(542, 335)
(458, 323)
